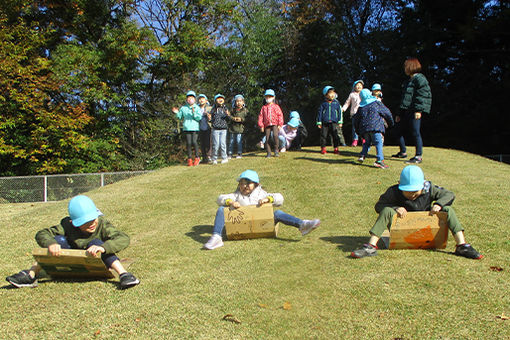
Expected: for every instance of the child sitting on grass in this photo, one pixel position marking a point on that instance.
(413, 193)
(249, 192)
(84, 228)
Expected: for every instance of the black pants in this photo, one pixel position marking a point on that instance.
(268, 130)
(329, 129)
(205, 142)
(191, 140)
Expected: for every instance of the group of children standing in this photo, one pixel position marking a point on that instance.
(212, 123)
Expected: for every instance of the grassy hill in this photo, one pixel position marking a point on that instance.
(290, 287)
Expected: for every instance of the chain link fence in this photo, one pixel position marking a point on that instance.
(56, 187)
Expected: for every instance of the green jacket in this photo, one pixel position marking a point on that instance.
(416, 96)
(114, 240)
(191, 116)
(237, 127)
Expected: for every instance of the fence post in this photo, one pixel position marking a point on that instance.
(102, 179)
(45, 189)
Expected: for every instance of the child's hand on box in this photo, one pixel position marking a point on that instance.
(54, 249)
(235, 205)
(435, 209)
(93, 250)
(401, 212)
(264, 200)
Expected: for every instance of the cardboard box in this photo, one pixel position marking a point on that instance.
(418, 230)
(73, 263)
(250, 222)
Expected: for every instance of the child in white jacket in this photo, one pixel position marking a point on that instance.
(249, 192)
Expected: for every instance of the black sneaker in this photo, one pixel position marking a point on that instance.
(128, 280)
(414, 160)
(366, 250)
(467, 251)
(22, 279)
(399, 155)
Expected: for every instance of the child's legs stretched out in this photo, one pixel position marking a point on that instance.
(280, 216)
(382, 223)
(219, 221)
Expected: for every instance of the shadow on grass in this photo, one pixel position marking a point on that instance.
(346, 243)
(62, 280)
(326, 160)
(200, 233)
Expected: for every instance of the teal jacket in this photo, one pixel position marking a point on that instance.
(417, 96)
(191, 116)
(114, 240)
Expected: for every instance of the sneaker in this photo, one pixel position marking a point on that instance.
(239, 156)
(336, 151)
(399, 155)
(22, 279)
(467, 251)
(268, 155)
(261, 145)
(223, 161)
(214, 242)
(214, 162)
(361, 159)
(308, 226)
(190, 162)
(128, 280)
(381, 165)
(323, 151)
(414, 160)
(196, 162)
(229, 157)
(276, 154)
(354, 143)
(283, 150)
(366, 250)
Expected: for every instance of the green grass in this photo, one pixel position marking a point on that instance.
(186, 291)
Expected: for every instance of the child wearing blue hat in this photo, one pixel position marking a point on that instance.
(236, 125)
(329, 119)
(353, 101)
(190, 114)
(270, 121)
(205, 127)
(288, 133)
(369, 123)
(220, 115)
(377, 91)
(84, 228)
(413, 193)
(249, 192)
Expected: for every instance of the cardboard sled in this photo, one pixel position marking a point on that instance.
(250, 222)
(73, 263)
(418, 230)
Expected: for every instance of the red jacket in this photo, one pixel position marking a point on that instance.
(270, 114)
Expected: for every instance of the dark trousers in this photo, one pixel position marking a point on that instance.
(409, 123)
(108, 259)
(274, 130)
(205, 142)
(192, 141)
(329, 129)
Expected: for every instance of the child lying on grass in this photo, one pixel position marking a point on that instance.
(84, 228)
(413, 193)
(249, 192)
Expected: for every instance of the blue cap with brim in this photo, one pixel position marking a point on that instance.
(269, 92)
(411, 178)
(250, 175)
(82, 210)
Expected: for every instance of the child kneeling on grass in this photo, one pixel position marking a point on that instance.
(84, 228)
(413, 193)
(249, 192)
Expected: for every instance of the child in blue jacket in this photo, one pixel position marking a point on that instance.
(329, 118)
(190, 114)
(369, 123)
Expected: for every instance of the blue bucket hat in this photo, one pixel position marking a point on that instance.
(366, 97)
(357, 81)
(294, 122)
(219, 95)
(411, 178)
(294, 114)
(376, 87)
(250, 175)
(269, 92)
(238, 96)
(326, 89)
(82, 210)
(201, 95)
(191, 93)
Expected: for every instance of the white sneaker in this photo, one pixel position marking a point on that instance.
(223, 161)
(308, 226)
(215, 162)
(214, 242)
(261, 145)
(239, 156)
(283, 150)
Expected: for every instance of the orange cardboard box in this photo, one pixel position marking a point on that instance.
(250, 222)
(418, 230)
